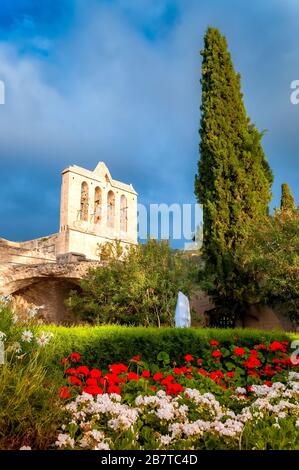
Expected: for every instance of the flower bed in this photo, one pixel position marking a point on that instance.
(227, 368)
(232, 398)
(234, 389)
(191, 420)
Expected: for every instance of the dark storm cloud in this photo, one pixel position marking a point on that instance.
(119, 81)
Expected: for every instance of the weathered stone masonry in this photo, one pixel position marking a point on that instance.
(94, 209)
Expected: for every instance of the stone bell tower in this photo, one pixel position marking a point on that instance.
(95, 209)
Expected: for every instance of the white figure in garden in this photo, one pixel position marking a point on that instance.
(182, 312)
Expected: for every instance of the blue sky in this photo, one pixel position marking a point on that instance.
(118, 81)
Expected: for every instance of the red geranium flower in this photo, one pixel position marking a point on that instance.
(174, 389)
(178, 370)
(95, 374)
(268, 383)
(75, 357)
(118, 368)
(202, 372)
(71, 371)
(276, 346)
(220, 373)
(254, 373)
(135, 359)
(216, 354)
(146, 374)
(64, 393)
(158, 376)
(83, 370)
(214, 375)
(113, 389)
(239, 351)
(260, 346)
(268, 371)
(75, 381)
(189, 358)
(133, 376)
(64, 361)
(91, 382)
(214, 342)
(113, 379)
(231, 374)
(252, 362)
(167, 380)
(93, 390)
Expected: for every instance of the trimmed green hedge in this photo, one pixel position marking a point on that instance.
(104, 345)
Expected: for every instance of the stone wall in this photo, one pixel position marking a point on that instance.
(258, 316)
(31, 252)
(264, 317)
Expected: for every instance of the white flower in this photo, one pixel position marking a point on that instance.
(44, 339)
(27, 336)
(25, 448)
(16, 347)
(293, 375)
(241, 390)
(165, 440)
(97, 435)
(214, 419)
(102, 446)
(64, 440)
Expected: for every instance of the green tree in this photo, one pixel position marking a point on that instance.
(234, 179)
(270, 258)
(287, 202)
(139, 287)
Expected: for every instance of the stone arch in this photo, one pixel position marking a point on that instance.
(97, 205)
(51, 293)
(123, 214)
(111, 209)
(84, 203)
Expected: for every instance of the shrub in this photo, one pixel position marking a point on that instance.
(102, 345)
(138, 288)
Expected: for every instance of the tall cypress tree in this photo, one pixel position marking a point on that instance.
(287, 202)
(234, 179)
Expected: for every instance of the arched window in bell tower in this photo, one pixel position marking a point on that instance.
(84, 205)
(97, 205)
(123, 214)
(111, 209)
